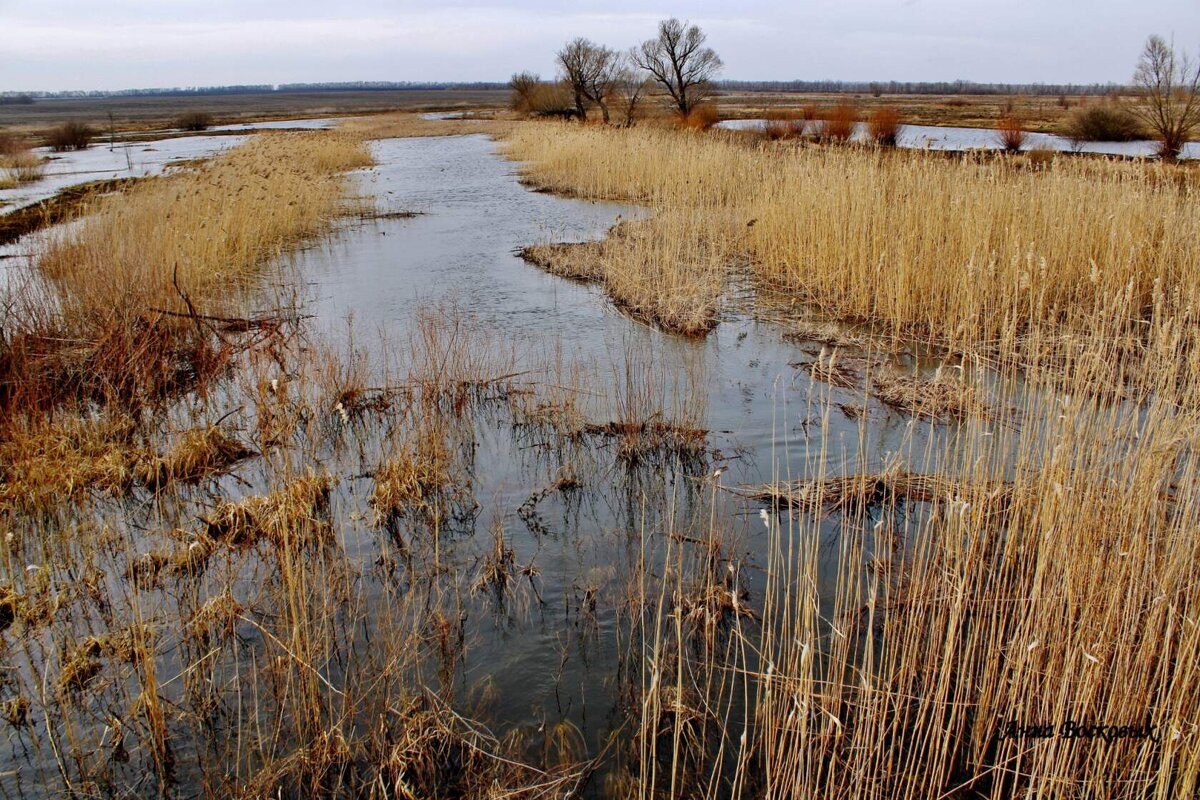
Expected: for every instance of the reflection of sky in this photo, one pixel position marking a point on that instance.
(134, 43)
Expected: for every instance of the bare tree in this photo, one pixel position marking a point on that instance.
(629, 89)
(678, 60)
(590, 70)
(524, 85)
(607, 68)
(1169, 85)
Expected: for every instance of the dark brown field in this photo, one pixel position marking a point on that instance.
(148, 113)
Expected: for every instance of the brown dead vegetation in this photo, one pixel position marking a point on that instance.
(292, 518)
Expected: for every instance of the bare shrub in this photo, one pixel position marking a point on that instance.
(839, 127)
(1103, 123)
(629, 90)
(194, 121)
(783, 124)
(1010, 133)
(883, 126)
(523, 85)
(70, 136)
(551, 99)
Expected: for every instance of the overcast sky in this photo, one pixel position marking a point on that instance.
(112, 44)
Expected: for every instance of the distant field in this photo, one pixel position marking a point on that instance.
(1044, 114)
(141, 113)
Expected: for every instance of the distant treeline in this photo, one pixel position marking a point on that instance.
(802, 87)
(921, 87)
(9, 98)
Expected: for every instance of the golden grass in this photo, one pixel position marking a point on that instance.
(674, 283)
(1039, 568)
(293, 517)
(975, 255)
(133, 304)
(206, 231)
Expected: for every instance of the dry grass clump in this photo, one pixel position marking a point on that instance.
(946, 395)
(199, 454)
(45, 464)
(292, 518)
(828, 367)
(419, 479)
(18, 163)
(639, 439)
(499, 565)
(417, 747)
(832, 334)
(216, 619)
(577, 260)
(669, 272)
(854, 494)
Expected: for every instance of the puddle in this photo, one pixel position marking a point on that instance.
(950, 138)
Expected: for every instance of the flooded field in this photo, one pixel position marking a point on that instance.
(951, 138)
(102, 162)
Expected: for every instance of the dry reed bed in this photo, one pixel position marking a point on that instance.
(976, 255)
(1042, 575)
(142, 294)
(406, 124)
(205, 232)
(1043, 570)
(665, 281)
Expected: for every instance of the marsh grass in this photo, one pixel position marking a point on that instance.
(973, 255)
(18, 163)
(1031, 567)
(672, 278)
(269, 587)
(143, 299)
